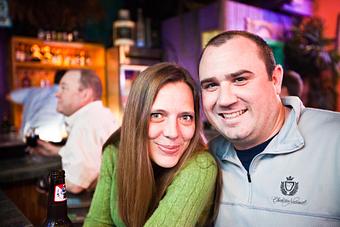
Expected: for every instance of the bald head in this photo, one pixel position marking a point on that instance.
(77, 89)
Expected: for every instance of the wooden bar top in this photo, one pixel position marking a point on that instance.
(27, 167)
(10, 215)
(18, 166)
(19, 174)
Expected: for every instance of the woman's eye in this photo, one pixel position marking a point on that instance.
(187, 118)
(156, 116)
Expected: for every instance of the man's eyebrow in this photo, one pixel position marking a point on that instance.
(207, 80)
(240, 72)
(63, 84)
(234, 74)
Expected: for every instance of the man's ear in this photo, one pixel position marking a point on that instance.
(86, 95)
(277, 77)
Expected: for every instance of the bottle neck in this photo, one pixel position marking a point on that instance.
(57, 211)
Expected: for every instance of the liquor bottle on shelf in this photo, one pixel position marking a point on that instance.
(123, 29)
(20, 52)
(148, 39)
(41, 34)
(140, 29)
(82, 58)
(35, 53)
(27, 53)
(44, 81)
(88, 60)
(26, 80)
(57, 202)
(47, 55)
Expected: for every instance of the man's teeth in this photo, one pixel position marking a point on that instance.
(232, 115)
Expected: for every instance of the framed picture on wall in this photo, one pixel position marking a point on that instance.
(266, 30)
(128, 74)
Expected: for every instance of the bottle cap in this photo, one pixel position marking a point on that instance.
(124, 14)
(57, 172)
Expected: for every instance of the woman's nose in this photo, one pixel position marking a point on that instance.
(170, 129)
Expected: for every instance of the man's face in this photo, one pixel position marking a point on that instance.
(239, 100)
(69, 95)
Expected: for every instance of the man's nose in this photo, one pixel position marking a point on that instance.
(57, 94)
(226, 96)
(171, 128)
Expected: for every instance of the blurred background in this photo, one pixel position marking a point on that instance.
(39, 37)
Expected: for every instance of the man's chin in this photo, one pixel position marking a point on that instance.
(60, 110)
(233, 136)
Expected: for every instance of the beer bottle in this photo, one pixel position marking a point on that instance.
(57, 203)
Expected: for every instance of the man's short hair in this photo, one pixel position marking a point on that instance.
(265, 52)
(58, 75)
(89, 79)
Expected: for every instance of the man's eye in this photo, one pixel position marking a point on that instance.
(240, 80)
(209, 86)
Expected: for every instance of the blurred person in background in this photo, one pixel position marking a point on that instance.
(40, 114)
(292, 84)
(156, 171)
(89, 124)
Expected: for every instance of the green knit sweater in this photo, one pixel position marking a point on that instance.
(187, 198)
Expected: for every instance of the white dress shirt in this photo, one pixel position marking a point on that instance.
(89, 128)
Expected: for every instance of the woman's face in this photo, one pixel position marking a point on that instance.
(171, 124)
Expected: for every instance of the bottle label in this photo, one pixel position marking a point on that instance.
(59, 193)
(124, 33)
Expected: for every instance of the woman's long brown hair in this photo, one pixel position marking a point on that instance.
(141, 186)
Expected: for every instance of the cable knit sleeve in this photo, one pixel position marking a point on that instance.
(188, 195)
(103, 211)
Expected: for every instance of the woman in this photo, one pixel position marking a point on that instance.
(157, 173)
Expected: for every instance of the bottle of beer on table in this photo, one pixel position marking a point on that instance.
(57, 202)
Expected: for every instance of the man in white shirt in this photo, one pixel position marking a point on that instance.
(89, 125)
(39, 110)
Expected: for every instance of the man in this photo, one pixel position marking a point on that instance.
(89, 124)
(280, 161)
(39, 110)
(292, 84)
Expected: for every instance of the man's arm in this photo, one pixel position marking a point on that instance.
(9, 97)
(19, 95)
(75, 189)
(48, 149)
(45, 148)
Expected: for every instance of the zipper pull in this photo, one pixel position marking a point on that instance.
(248, 175)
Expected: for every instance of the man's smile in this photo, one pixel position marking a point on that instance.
(233, 114)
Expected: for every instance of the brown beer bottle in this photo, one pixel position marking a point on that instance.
(57, 203)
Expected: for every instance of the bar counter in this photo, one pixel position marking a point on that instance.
(10, 215)
(26, 168)
(19, 173)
